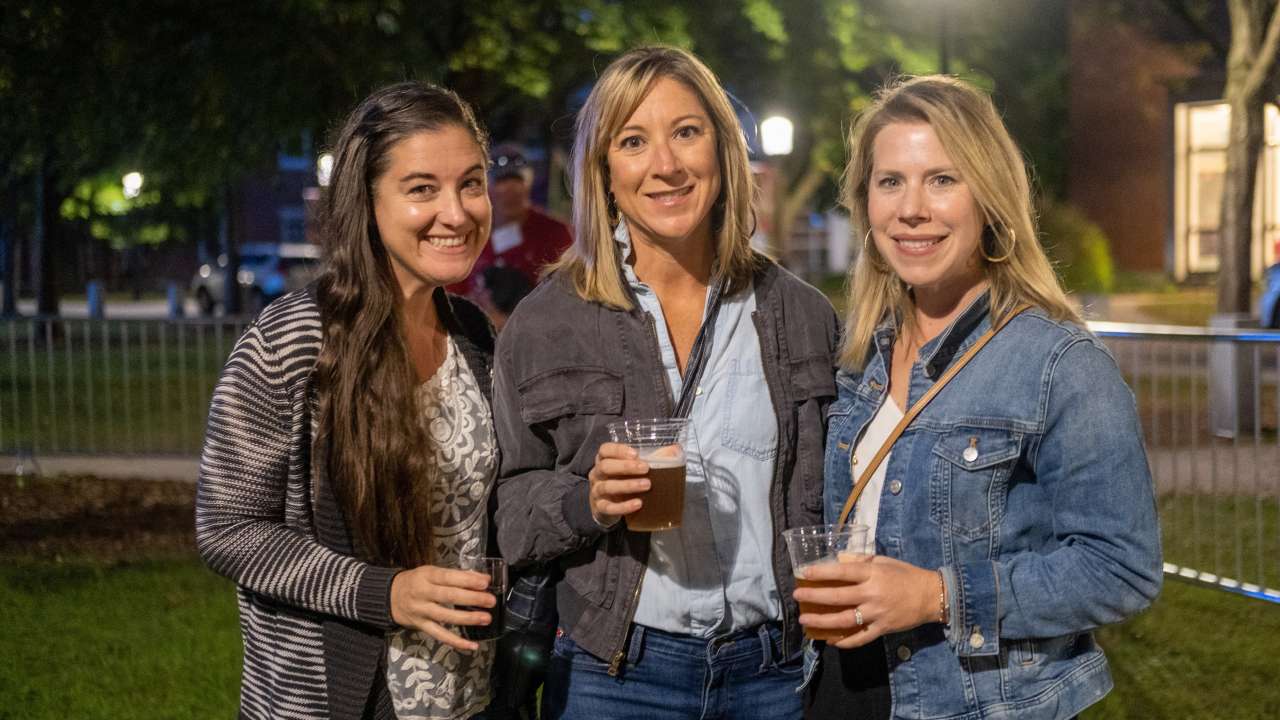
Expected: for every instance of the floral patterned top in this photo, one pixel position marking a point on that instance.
(427, 679)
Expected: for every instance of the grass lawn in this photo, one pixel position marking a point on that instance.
(1233, 536)
(105, 612)
(152, 639)
(159, 639)
(1198, 653)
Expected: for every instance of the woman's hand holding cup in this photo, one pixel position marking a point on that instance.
(426, 598)
(617, 477)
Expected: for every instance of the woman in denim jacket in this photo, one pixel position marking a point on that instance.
(1015, 514)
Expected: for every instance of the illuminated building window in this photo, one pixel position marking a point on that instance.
(1200, 132)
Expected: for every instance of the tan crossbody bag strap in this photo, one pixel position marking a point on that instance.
(956, 366)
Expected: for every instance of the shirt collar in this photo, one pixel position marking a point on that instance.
(938, 353)
(622, 238)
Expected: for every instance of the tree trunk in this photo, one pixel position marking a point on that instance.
(9, 295)
(1251, 64)
(788, 204)
(226, 233)
(42, 247)
(1235, 245)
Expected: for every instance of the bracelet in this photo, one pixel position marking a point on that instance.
(944, 613)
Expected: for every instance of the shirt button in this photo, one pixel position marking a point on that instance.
(970, 454)
(976, 640)
(698, 391)
(904, 653)
(895, 487)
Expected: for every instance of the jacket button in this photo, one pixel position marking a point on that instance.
(895, 487)
(976, 640)
(904, 653)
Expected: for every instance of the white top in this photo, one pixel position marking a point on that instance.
(427, 679)
(867, 510)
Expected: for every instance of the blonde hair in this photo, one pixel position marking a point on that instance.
(990, 163)
(592, 262)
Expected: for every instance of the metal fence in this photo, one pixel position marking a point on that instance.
(142, 387)
(119, 387)
(1209, 402)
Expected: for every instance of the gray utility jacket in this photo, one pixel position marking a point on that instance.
(565, 368)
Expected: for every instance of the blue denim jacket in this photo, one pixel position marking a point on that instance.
(1026, 482)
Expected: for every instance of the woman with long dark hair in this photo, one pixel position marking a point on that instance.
(350, 448)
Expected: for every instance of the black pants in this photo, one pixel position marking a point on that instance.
(850, 684)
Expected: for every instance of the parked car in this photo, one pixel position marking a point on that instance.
(267, 271)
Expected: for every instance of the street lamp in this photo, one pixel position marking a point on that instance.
(324, 169)
(132, 183)
(776, 134)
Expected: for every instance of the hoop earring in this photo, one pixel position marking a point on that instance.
(1013, 240)
(866, 251)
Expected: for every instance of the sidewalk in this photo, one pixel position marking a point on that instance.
(143, 467)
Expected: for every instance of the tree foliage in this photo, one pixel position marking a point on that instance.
(200, 95)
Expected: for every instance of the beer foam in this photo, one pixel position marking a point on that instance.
(670, 456)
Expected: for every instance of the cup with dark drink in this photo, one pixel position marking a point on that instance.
(815, 544)
(496, 569)
(661, 444)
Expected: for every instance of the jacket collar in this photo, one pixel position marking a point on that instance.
(937, 354)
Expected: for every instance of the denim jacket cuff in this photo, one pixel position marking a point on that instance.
(576, 507)
(974, 595)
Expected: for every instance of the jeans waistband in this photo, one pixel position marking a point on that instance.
(768, 635)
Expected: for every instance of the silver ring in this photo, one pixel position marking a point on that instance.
(857, 616)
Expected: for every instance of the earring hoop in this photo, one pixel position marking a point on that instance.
(866, 251)
(1013, 240)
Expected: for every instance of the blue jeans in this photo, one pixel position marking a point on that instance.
(739, 676)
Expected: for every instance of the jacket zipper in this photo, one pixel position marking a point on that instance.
(777, 470)
(615, 665)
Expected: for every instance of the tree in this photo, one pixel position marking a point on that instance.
(199, 95)
(1252, 77)
(818, 61)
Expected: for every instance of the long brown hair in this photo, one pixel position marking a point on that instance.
(369, 429)
(975, 137)
(593, 260)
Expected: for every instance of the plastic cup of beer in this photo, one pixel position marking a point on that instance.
(661, 443)
(816, 544)
(496, 569)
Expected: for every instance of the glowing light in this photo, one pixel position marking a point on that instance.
(776, 135)
(132, 183)
(324, 169)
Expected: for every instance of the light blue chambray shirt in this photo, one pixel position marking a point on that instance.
(714, 574)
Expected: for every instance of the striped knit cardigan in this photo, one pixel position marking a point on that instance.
(313, 617)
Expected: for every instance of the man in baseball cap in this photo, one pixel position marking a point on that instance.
(524, 241)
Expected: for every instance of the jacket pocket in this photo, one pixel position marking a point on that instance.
(813, 378)
(570, 391)
(971, 475)
(813, 387)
